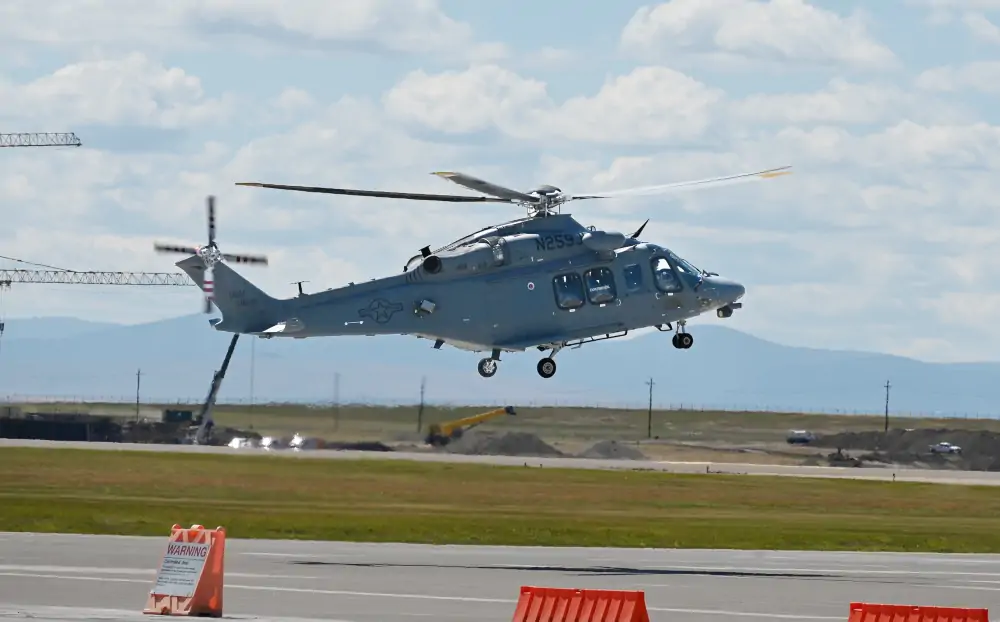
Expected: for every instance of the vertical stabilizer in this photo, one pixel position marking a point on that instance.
(245, 307)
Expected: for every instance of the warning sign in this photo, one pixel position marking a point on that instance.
(190, 579)
(181, 568)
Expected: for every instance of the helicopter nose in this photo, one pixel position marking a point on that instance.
(727, 290)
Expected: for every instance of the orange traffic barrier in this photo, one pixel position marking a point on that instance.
(189, 580)
(871, 612)
(554, 604)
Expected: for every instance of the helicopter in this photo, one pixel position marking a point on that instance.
(542, 281)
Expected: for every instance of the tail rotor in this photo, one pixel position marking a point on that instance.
(210, 255)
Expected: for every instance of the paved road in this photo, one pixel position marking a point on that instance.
(42, 576)
(981, 478)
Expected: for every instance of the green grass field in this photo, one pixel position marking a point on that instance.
(142, 493)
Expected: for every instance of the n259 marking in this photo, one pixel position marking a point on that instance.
(559, 240)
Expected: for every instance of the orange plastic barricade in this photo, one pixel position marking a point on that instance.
(189, 581)
(554, 604)
(871, 612)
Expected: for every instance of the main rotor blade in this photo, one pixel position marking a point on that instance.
(173, 248)
(664, 188)
(380, 193)
(479, 185)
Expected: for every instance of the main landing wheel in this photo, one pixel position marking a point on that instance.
(682, 341)
(546, 368)
(487, 368)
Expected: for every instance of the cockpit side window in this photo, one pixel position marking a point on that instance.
(601, 286)
(633, 277)
(685, 266)
(664, 275)
(568, 290)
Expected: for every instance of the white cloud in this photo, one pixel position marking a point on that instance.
(967, 5)
(842, 102)
(132, 90)
(790, 31)
(650, 104)
(465, 101)
(982, 27)
(983, 76)
(400, 26)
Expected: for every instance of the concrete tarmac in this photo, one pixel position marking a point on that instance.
(69, 577)
(942, 476)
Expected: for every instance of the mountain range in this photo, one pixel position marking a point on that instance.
(71, 358)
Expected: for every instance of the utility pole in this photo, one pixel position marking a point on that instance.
(649, 415)
(336, 401)
(887, 385)
(138, 375)
(420, 411)
(253, 356)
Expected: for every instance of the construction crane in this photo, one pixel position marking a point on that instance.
(52, 274)
(40, 139)
(440, 434)
(73, 277)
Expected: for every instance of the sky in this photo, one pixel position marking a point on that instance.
(884, 238)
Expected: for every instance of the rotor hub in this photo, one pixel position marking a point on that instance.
(211, 255)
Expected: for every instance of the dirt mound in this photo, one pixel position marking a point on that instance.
(508, 444)
(980, 448)
(613, 450)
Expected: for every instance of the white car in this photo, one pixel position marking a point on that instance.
(945, 448)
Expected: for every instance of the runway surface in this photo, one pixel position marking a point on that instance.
(61, 577)
(980, 478)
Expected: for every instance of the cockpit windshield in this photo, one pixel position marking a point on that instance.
(684, 265)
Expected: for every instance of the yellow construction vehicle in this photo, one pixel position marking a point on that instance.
(440, 434)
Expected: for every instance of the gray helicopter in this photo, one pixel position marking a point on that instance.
(544, 281)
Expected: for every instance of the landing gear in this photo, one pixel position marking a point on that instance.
(682, 340)
(546, 368)
(487, 368)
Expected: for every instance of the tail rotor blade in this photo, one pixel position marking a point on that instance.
(211, 220)
(253, 259)
(173, 248)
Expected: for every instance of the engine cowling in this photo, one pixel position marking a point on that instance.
(603, 241)
(474, 258)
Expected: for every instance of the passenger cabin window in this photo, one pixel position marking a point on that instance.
(569, 290)
(600, 285)
(633, 278)
(664, 275)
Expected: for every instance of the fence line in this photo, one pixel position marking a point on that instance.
(639, 405)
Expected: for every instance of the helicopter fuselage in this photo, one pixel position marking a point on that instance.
(544, 282)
